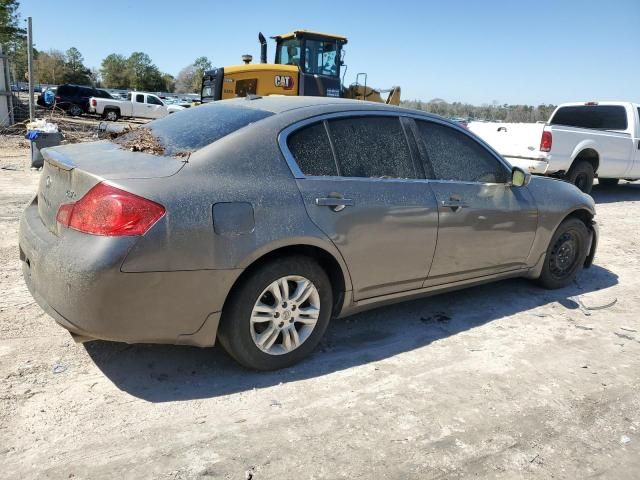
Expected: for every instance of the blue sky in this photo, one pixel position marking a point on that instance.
(514, 51)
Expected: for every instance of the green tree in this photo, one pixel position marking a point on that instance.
(201, 64)
(74, 69)
(143, 74)
(10, 30)
(50, 67)
(169, 82)
(13, 38)
(115, 71)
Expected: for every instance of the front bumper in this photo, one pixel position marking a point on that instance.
(76, 279)
(595, 235)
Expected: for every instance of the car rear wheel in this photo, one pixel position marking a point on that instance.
(111, 115)
(278, 314)
(581, 175)
(608, 182)
(566, 254)
(74, 110)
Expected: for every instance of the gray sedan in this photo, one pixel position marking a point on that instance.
(254, 221)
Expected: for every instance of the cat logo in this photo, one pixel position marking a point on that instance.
(284, 81)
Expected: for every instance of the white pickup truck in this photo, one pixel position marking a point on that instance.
(137, 104)
(580, 141)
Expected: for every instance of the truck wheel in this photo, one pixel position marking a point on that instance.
(581, 175)
(566, 253)
(278, 314)
(608, 182)
(111, 115)
(74, 110)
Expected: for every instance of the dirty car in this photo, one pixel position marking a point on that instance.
(258, 220)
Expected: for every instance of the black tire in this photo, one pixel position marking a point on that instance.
(581, 175)
(75, 110)
(111, 115)
(608, 182)
(235, 331)
(558, 271)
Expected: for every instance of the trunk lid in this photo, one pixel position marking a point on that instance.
(518, 140)
(70, 171)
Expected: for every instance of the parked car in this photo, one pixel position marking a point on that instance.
(288, 212)
(463, 122)
(74, 99)
(137, 104)
(581, 141)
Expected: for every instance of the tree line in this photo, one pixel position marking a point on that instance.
(137, 71)
(54, 67)
(489, 112)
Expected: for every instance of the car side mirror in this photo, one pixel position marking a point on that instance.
(520, 178)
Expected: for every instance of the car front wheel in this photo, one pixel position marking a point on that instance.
(278, 314)
(566, 254)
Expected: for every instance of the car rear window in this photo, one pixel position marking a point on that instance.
(600, 117)
(190, 130)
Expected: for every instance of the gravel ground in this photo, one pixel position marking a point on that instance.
(499, 381)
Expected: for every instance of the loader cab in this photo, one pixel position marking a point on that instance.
(319, 58)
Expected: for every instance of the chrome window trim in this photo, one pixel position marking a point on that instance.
(299, 175)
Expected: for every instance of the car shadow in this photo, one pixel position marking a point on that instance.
(616, 193)
(162, 373)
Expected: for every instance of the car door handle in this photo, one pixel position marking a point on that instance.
(455, 205)
(336, 203)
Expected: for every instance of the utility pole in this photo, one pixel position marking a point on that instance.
(30, 62)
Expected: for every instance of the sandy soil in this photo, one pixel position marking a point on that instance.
(500, 381)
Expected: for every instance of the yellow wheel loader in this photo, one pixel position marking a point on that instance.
(306, 63)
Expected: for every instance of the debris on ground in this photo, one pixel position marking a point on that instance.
(587, 309)
(59, 368)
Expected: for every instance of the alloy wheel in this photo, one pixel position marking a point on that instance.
(285, 315)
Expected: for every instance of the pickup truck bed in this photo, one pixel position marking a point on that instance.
(581, 141)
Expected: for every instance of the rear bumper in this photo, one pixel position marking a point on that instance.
(76, 279)
(532, 165)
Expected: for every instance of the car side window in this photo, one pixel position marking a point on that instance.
(153, 100)
(371, 147)
(311, 149)
(67, 91)
(454, 155)
(139, 98)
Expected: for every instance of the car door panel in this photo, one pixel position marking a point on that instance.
(386, 235)
(358, 178)
(485, 225)
(491, 231)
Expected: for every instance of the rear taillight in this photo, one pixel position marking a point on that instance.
(94, 102)
(109, 211)
(546, 141)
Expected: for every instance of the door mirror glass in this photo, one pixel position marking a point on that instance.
(519, 178)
